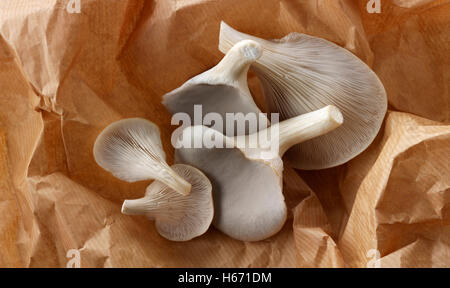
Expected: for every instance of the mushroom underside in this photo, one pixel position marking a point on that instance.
(301, 73)
(181, 217)
(121, 147)
(248, 200)
(219, 99)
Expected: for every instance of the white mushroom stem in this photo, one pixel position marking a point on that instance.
(274, 141)
(151, 207)
(136, 206)
(162, 203)
(237, 61)
(306, 126)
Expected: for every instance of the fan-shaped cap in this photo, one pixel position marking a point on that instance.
(222, 89)
(302, 73)
(177, 217)
(131, 150)
(248, 199)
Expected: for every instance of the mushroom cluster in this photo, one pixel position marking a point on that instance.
(313, 84)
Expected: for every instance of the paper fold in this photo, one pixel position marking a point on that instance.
(65, 76)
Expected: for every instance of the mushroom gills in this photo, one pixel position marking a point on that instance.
(301, 73)
(222, 89)
(248, 199)
(247, 182)
(177, 217)
(131, 150)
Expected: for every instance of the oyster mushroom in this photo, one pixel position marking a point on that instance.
(177, 217)
(222, 89)
(247, 180)
(301, 73)
(131, 150)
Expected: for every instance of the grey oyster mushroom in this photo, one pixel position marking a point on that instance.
(222, 89)
(301, 73)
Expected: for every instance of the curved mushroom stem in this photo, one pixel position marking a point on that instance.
(229, 36)
(141, 206)
(135, 207)
(306, 126)
(237, 61)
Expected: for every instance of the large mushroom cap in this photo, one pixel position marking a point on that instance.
(248, 200)
(222, 89)
(177, 217)
(301, 73)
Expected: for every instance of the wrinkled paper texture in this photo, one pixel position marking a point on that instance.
(65, 75)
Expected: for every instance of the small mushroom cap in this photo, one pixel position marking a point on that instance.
(222, 89)
(131, 150)
(177, 217)
(248, 200)
(122, 145)
(302, 73)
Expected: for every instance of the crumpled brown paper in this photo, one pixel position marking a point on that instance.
(65, 76)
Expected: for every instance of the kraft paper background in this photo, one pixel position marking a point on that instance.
(65, 76)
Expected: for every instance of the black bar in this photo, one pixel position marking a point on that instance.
(225, 277)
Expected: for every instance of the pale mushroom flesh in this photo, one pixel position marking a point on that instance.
(177, 217)
(247, 182)
(131, 150)
(302, 73)
(222, 89)
(248, 199)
